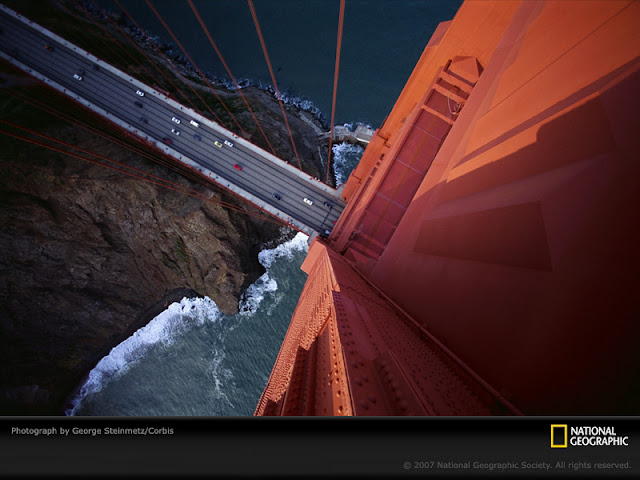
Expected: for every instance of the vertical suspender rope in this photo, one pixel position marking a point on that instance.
(195, 66)
(151, 62)
(175, 70)
(215, 47)
(170, 164)
(117, 52)
(335, 84)
(155, 47)
(156, 180)
(273, 78)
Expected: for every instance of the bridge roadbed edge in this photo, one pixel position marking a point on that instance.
(211, 124)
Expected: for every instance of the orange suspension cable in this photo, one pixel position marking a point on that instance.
(194, 65)
(66, 152)
(135, 169)
(118, 49)
(93, 129)
(197, 195)
(155, 47)
(167, 164)
(115, 53)
(273, 78)
(215, 47)
(175, 70)
(143, 53)
(335, 84)
(132, 148)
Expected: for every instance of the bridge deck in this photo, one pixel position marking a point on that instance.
(112, 94)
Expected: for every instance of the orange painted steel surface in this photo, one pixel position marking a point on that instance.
(351, 352)
(488, 255)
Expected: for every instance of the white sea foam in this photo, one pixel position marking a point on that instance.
(163, 329)
(178, 318)
(219, 376)
(277, 298)
(255, 294)
(293, 99)
(253, 297)
(345, 158)
(287, 249)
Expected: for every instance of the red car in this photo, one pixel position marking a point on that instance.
(237, 167)
(48, 48)
(167, 140)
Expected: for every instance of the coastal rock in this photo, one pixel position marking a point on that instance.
(91, 255)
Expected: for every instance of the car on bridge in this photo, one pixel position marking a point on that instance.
(228, 143)
(140, 92)
(217, 144)
(95, 67)
(167, 140)
(77, 76)
(194, 123)
(327, 204)
(138, 104)
(307, 201)
(144, 120)
(177, 132)
(197, 137)
(48, 48)
(175, 119)
(237, 167)
(276, 196)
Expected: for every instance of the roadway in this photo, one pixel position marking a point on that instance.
(115, 92)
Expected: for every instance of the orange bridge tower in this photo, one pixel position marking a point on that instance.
(487, 261)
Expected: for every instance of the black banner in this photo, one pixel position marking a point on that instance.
(294, 447)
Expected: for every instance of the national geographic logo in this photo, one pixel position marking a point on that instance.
(558, 436)
(586, 436)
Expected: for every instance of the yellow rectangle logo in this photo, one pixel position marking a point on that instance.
(558, 436)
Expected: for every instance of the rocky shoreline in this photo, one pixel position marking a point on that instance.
(91, 255)
(298, 109)
(143, 319)
(173, 52)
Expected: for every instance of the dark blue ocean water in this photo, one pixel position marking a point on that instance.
(382, 41)
(192, 360)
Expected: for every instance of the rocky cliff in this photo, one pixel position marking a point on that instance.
(89, 255)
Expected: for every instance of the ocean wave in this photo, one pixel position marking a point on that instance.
(294, 99)
(351, 126)
(345, 159)
(287, 249)
(163, 329)
(219, 376)
(180, 317)
(255, 294)
(277, 298)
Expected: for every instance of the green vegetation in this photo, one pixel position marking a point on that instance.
(236, 106)
(179, 251)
